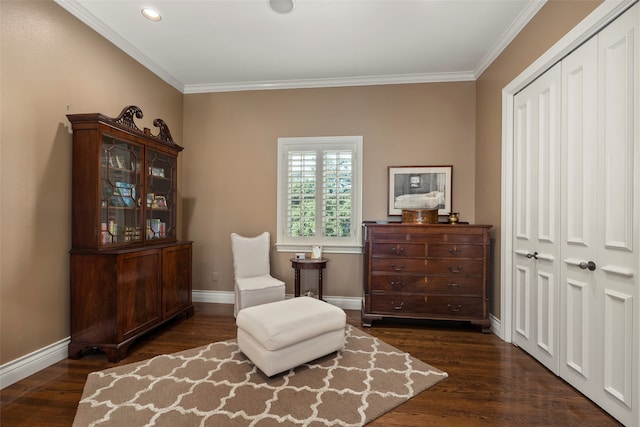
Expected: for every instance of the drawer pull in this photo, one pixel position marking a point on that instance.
(398, 284)
(397, 268)
(457, 270)
(454, 250)
(397, 307)
(454, 285)
(454, 310)
(397, 250)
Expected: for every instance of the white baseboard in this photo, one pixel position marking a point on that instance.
(222, 297)
(29, 364)
(496, 326)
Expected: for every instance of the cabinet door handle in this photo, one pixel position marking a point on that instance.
(587, 265)
(397, 250)
(397, 307)
(397, 268)
(456, 270)
(454, 285)
(454, 250)
(455, 310)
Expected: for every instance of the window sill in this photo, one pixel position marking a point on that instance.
(326, 249)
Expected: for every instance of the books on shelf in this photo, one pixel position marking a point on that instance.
(156, 229)
(109, 233)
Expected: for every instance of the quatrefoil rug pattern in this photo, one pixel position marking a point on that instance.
(216, 385)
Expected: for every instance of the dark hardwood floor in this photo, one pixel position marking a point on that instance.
(491, 383)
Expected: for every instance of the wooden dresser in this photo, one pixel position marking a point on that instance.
(419, 271)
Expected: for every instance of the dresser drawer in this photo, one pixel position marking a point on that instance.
(450, 307)
(410, 250)
(456, 267)
(455, 251)
(399, 265)
(395, 283)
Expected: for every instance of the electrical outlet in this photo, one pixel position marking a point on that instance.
(215, 276)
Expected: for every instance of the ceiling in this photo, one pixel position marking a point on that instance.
(229, 45)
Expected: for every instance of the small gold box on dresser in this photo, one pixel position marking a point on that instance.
(420, 216)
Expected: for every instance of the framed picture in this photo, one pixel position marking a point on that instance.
(160, 202)
(316, 252)
(419, 187)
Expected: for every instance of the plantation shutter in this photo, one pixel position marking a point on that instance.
(337, 193)
(301, 194)
(319, 194)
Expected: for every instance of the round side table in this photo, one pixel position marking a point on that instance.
(308, 264)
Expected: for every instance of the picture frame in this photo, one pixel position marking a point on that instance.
(316, 252)
(419, 187)
(160, 202)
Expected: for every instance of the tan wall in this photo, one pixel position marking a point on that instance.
(230, 152)
(49, 60)
(551, 23)
(52, 65)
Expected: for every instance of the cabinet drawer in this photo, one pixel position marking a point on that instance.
(456, 267)
(399, 265)
(411, 250)
(450, 267)
(471, 286)
(455, 251)
(427, 306)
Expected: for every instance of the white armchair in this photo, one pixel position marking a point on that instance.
(254, 284)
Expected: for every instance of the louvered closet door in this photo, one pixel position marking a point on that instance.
(601, 188)
(536, 218)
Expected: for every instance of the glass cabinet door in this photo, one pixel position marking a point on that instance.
(121, 179)
(161, 196)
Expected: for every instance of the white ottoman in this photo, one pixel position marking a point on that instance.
(281, 335)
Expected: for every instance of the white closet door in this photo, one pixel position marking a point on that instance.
(618, 228)
(536, 218)
(581, 329)
(600, 238)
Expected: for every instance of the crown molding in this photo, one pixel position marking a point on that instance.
(88, 18)
(514, 29)
(332, 82)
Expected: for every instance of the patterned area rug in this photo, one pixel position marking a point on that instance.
(216, 385)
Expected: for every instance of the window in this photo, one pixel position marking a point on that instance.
(320, 193)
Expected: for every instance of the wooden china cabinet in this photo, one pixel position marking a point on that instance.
(129, 273)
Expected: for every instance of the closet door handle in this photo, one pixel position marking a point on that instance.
(532, 255)
(587, 265)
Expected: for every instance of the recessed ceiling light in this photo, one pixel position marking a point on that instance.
(151, 14)
(281, 6)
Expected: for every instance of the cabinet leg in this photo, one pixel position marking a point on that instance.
(189, 312)
(484, 324)
(75, 351)
(367, 320)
